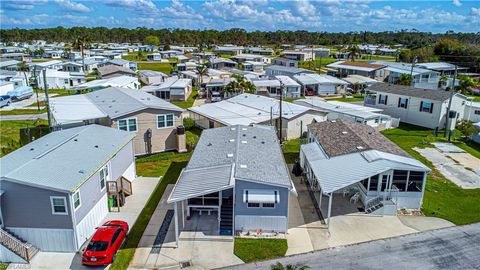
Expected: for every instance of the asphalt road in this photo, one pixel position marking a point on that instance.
(449, 248)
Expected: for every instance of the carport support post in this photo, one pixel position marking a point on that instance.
(183, 215)
(320, 201)
(329, 211)
(176, 223)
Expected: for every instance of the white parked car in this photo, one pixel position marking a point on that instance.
(5, 101)
(216, 96)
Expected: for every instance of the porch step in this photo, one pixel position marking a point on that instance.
(374, 208)
(17, 245)
(226, 218)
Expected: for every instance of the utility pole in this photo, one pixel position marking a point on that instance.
(36, 85)
(414, 61)
(47, 103)
(280, 117)
(452, 92)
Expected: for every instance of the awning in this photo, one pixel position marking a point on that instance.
(261, 196)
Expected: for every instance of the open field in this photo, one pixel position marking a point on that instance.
(162, 67)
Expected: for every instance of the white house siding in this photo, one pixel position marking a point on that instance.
(50, 240)
(472, 113)
(326, 89)
(86, 227)
(7, 256)
(412, 114)
(299, 124)
(266, 223)
(131, 172)
(204, 122)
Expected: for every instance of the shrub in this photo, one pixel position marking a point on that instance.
(188, 123)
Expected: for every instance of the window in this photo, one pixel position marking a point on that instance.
(128, 124)
(400, 179)
(79, 80)
(253, 205)
(415, 181)
(76, 199)
(165, 120)
(426, 106)
(373, 183)
(402, 103)
(477, 112)
(115, 236)
(382, 99)
(59, 205)
(364, 183)
(66, 81)
(268, 205)
(103, 176)
(97, 246)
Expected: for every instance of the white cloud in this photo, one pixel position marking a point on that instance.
(21, 4)
(68, 5)
(457, 3)
(139, 6)
(475, 11)
(180, 11)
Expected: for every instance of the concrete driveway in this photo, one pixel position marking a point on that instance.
(457, 167)
(24, 103)
(199, 243)
(142, 188)
(449, 248)
(307, 231)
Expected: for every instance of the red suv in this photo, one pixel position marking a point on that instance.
(106, 241)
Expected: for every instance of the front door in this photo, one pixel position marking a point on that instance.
(385, 183)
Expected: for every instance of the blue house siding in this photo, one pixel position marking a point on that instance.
(122, 160)
(281, 209)
(29, 207)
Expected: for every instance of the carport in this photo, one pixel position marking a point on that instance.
(202, 190)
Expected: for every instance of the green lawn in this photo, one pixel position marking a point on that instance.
(442, 198)
(158, 164)
(189, 103)
(291, 149)
(133, 56)
(355, 98)
(162, 67)
(250, 249)
(291, 100)
(10, 135)
(126, 252)
(377, 57)
(3, 266)
(193, 135)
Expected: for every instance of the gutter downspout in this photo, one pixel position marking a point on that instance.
(74, 223)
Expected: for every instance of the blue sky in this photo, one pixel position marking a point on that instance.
(270, 15)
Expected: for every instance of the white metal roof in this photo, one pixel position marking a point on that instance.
(120, 81)
(342, 171)
(287, 81)
(353, 79)
(343, 65)
(231, 113)
(342, 108)
(74, 109)
(307, 79)
(266, 83)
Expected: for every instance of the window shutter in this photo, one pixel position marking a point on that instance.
(406, 103)
(431, 107)
(386, 98)
(379, 99)
(421, 105)
(399, 99)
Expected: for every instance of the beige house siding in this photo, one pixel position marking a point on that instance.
(163, 139)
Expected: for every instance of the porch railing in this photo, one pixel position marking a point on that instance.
(373, 202)
(23, 250)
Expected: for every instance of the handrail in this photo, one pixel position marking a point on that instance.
(373, 201)
(126, 184)
(15, 245)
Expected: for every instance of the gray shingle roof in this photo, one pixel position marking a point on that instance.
(117, 101)
(343, 137)
(64, 159)
(253, 152)
(403, 90)
(106, 70)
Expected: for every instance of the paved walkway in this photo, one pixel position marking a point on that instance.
(24, 116)
(449, 248)
(142, 188)
(199, 244)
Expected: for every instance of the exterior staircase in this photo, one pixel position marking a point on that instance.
(226, 217)
(17, 245)
(373, 204)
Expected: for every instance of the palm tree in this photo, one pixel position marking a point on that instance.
(404, 79)
(23, 67)
(202, 70)
(353, 51)
(80, 43)
(280, 266)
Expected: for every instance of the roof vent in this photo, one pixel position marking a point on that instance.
(232, 140)
(244, 135)
(254, 137)
(96, 146)
(75, 140)
(232, 128)
(244, 142)
(243, 166)
(31, 149)
(244, 128)
(359, 147)
(263, 142)
(344, 132)
(333, 121)
(229, 155)
(209, 144)
(81, 171)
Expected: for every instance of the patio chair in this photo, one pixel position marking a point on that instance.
(355, 197)
(346, 192)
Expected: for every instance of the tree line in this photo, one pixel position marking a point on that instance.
(411, 38)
